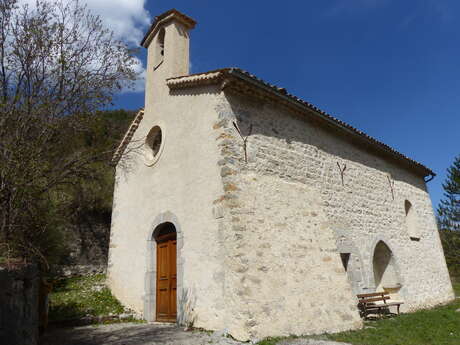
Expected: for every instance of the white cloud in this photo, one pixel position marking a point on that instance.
(128, 19)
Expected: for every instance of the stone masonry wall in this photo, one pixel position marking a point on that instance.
(283, 275)
(19, 306)
(363, 209)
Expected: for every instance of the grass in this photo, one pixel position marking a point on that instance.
(78, 297)
(437, 326)
(274, 340)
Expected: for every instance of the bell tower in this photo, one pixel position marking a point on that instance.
(167, 44)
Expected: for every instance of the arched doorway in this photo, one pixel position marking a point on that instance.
(166, 280)
(386, 275)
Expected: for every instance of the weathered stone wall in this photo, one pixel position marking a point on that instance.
(283, 274)
(367, 207)
(19, 306)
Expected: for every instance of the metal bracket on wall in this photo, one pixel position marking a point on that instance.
(342, 170)
(157, 66)
(392, 184)
(245, 139)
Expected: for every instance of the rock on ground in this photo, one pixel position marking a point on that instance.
(147, 334)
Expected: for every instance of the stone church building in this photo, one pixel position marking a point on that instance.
(241, 208)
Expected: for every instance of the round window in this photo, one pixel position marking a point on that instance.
(153, 145)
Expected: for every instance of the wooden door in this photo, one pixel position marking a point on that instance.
(166, 278)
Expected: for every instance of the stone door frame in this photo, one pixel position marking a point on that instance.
(151, 269)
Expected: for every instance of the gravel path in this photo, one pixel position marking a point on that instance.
(146, 334)
(132, 334)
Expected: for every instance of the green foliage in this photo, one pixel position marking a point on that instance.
(451, 244)
(85, 198)
(449, 207)
(449, 218)
(93, 193)
(456, 286)
(88, 199)
(74, 298)
(59, 66)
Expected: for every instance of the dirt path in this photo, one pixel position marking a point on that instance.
(145, 334)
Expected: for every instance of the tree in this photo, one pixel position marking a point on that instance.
(58, 66)
(88, 208)
(451, 244)
(449, 218)
(449, 207)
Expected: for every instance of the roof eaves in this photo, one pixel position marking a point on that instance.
(219, 75)
(210, 77)
(127, 138)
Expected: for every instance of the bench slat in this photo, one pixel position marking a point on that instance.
(378, 299)
(394, 303)
(364, 295)
(379, 306)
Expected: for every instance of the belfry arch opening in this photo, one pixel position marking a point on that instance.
(166, 267)
(159, 48)
(385, 272)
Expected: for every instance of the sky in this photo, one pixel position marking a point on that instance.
(388, 67)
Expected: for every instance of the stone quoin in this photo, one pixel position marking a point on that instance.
(241, 208)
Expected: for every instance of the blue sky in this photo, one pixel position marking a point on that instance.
(388, 67)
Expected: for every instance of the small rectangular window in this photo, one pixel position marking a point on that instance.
(345, 258)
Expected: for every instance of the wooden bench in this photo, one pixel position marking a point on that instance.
(376, 303)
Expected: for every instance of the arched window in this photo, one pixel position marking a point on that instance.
(411, 221)
(159, 48)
